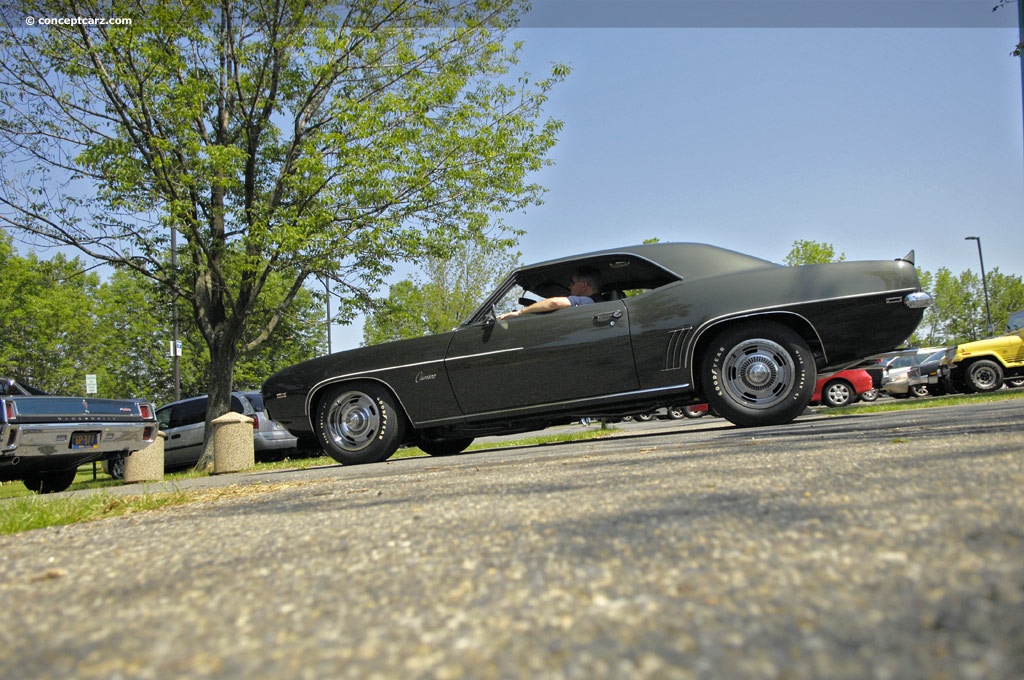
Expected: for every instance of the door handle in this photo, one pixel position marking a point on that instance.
(608, 318)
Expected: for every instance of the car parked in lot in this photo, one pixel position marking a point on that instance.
(44, 438)
(903, 378)
(842, 388)
(983, 365)
(184, 424)
(700, 324)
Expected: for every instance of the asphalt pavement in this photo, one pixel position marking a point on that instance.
(860, 546)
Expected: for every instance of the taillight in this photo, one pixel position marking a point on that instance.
(146, 411)
(255, 421)
(9, 410)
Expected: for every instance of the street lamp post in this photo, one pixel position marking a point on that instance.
(984, 282)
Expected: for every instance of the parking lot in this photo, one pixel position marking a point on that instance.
(881, 545)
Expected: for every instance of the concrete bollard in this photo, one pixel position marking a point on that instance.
(146, 465)
(232, 443)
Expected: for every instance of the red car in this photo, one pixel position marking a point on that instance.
(842, 388)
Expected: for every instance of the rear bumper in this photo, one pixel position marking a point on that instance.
(88, 440)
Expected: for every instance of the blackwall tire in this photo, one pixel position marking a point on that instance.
(445, 447)
(984, 376)
(359, 423)
(50, 482)
(760, 374)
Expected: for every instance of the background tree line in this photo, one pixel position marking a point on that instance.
(59, 321)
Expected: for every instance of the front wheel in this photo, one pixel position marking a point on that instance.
(445, 447)
(762, 374)
(359, 423)
(984, 376)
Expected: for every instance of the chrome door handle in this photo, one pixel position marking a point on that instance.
(609, 318)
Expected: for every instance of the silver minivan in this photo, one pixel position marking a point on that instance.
(184, 423)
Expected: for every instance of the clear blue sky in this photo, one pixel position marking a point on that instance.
(876, 140)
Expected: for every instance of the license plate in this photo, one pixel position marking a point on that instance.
(85, 440)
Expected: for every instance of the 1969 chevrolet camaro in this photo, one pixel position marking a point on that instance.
(679, 323)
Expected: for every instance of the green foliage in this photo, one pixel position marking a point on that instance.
(59, 323)
(959, 314)
(444, 293)
(296, 140)
(812, 252)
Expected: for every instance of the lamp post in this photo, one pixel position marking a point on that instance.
(984, 282)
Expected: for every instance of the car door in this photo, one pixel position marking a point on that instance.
(186, 427)
(542, 359)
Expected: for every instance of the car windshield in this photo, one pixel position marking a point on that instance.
(1016, 322)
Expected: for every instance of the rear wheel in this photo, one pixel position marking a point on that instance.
(50, 482)
(983, 376)
(359, 423)
(116, 466)
(762, 374)
(676, 412)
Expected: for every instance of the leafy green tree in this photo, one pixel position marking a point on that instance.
(59, 323)
(310, 139)
(812, 252)
(443, 294)
(46, 323)
(958, 314)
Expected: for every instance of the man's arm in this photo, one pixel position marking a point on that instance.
(547, 305)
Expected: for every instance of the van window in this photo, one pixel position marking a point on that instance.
(189, 412)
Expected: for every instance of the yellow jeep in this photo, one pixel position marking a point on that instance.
(982, 365)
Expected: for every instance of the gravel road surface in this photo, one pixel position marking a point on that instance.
(859, 546)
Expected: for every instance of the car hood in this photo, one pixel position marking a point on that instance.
(988, 346)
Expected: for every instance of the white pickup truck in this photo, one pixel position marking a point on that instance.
(44, 438)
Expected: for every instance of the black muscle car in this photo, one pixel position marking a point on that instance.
(680, 323)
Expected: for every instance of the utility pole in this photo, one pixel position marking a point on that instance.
(984, 283)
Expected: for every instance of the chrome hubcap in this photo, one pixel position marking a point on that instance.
(353, 421)
(758, 373)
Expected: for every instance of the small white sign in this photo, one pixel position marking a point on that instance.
(175, 348)
(90, 383)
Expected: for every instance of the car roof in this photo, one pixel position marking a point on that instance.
(641, 266)
(239, 395)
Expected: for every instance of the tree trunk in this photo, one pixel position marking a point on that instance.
(222, 367)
